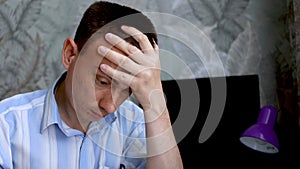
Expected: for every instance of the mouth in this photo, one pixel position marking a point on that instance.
(99, 114)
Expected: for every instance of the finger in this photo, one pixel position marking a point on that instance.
(120, 60)
(156, 48)
(117, 42)
(119, 76)
(133, 52)
(140, 37)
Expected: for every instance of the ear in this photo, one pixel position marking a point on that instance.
(69, 53)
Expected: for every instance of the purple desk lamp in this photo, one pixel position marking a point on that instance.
(261, 136)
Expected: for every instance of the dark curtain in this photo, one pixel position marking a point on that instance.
(288, 78)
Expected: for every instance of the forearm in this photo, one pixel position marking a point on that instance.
(142, 74)
(162, 148)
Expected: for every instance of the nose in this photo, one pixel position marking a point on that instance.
(107, 103)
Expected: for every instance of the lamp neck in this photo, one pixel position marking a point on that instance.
(267, 115)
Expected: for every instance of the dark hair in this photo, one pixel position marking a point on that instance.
(102, 13)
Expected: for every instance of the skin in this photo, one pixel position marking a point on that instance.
(116, 70)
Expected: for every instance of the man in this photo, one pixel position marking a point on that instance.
(86, 119)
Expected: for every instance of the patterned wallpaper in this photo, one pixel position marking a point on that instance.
(31, 36)
(246, 36)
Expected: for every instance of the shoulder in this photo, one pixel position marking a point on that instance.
(22, 101)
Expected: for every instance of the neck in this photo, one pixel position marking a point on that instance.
(67, 111)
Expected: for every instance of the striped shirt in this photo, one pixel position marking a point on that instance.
(33, 136)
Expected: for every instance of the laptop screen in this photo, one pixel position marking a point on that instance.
(218, 109)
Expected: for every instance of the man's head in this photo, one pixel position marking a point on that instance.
(91, 93)
(109, 17)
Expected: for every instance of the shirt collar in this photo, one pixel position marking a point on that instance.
(51, 114)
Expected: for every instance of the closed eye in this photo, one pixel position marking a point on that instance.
(103, 82)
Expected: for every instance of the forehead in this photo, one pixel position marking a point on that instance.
(96, 40)
(90, 55)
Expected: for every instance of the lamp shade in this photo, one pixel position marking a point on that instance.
(261, 136)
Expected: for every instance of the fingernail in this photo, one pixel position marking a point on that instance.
(102, 50)
(124, 27)
(103, 67)
(108, 36)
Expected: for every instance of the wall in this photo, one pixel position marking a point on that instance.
(197, 38)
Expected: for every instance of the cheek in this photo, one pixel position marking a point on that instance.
(83, 95)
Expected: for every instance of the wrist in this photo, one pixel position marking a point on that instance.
(156, 107)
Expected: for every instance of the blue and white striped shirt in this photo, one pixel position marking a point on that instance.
(33, 136)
